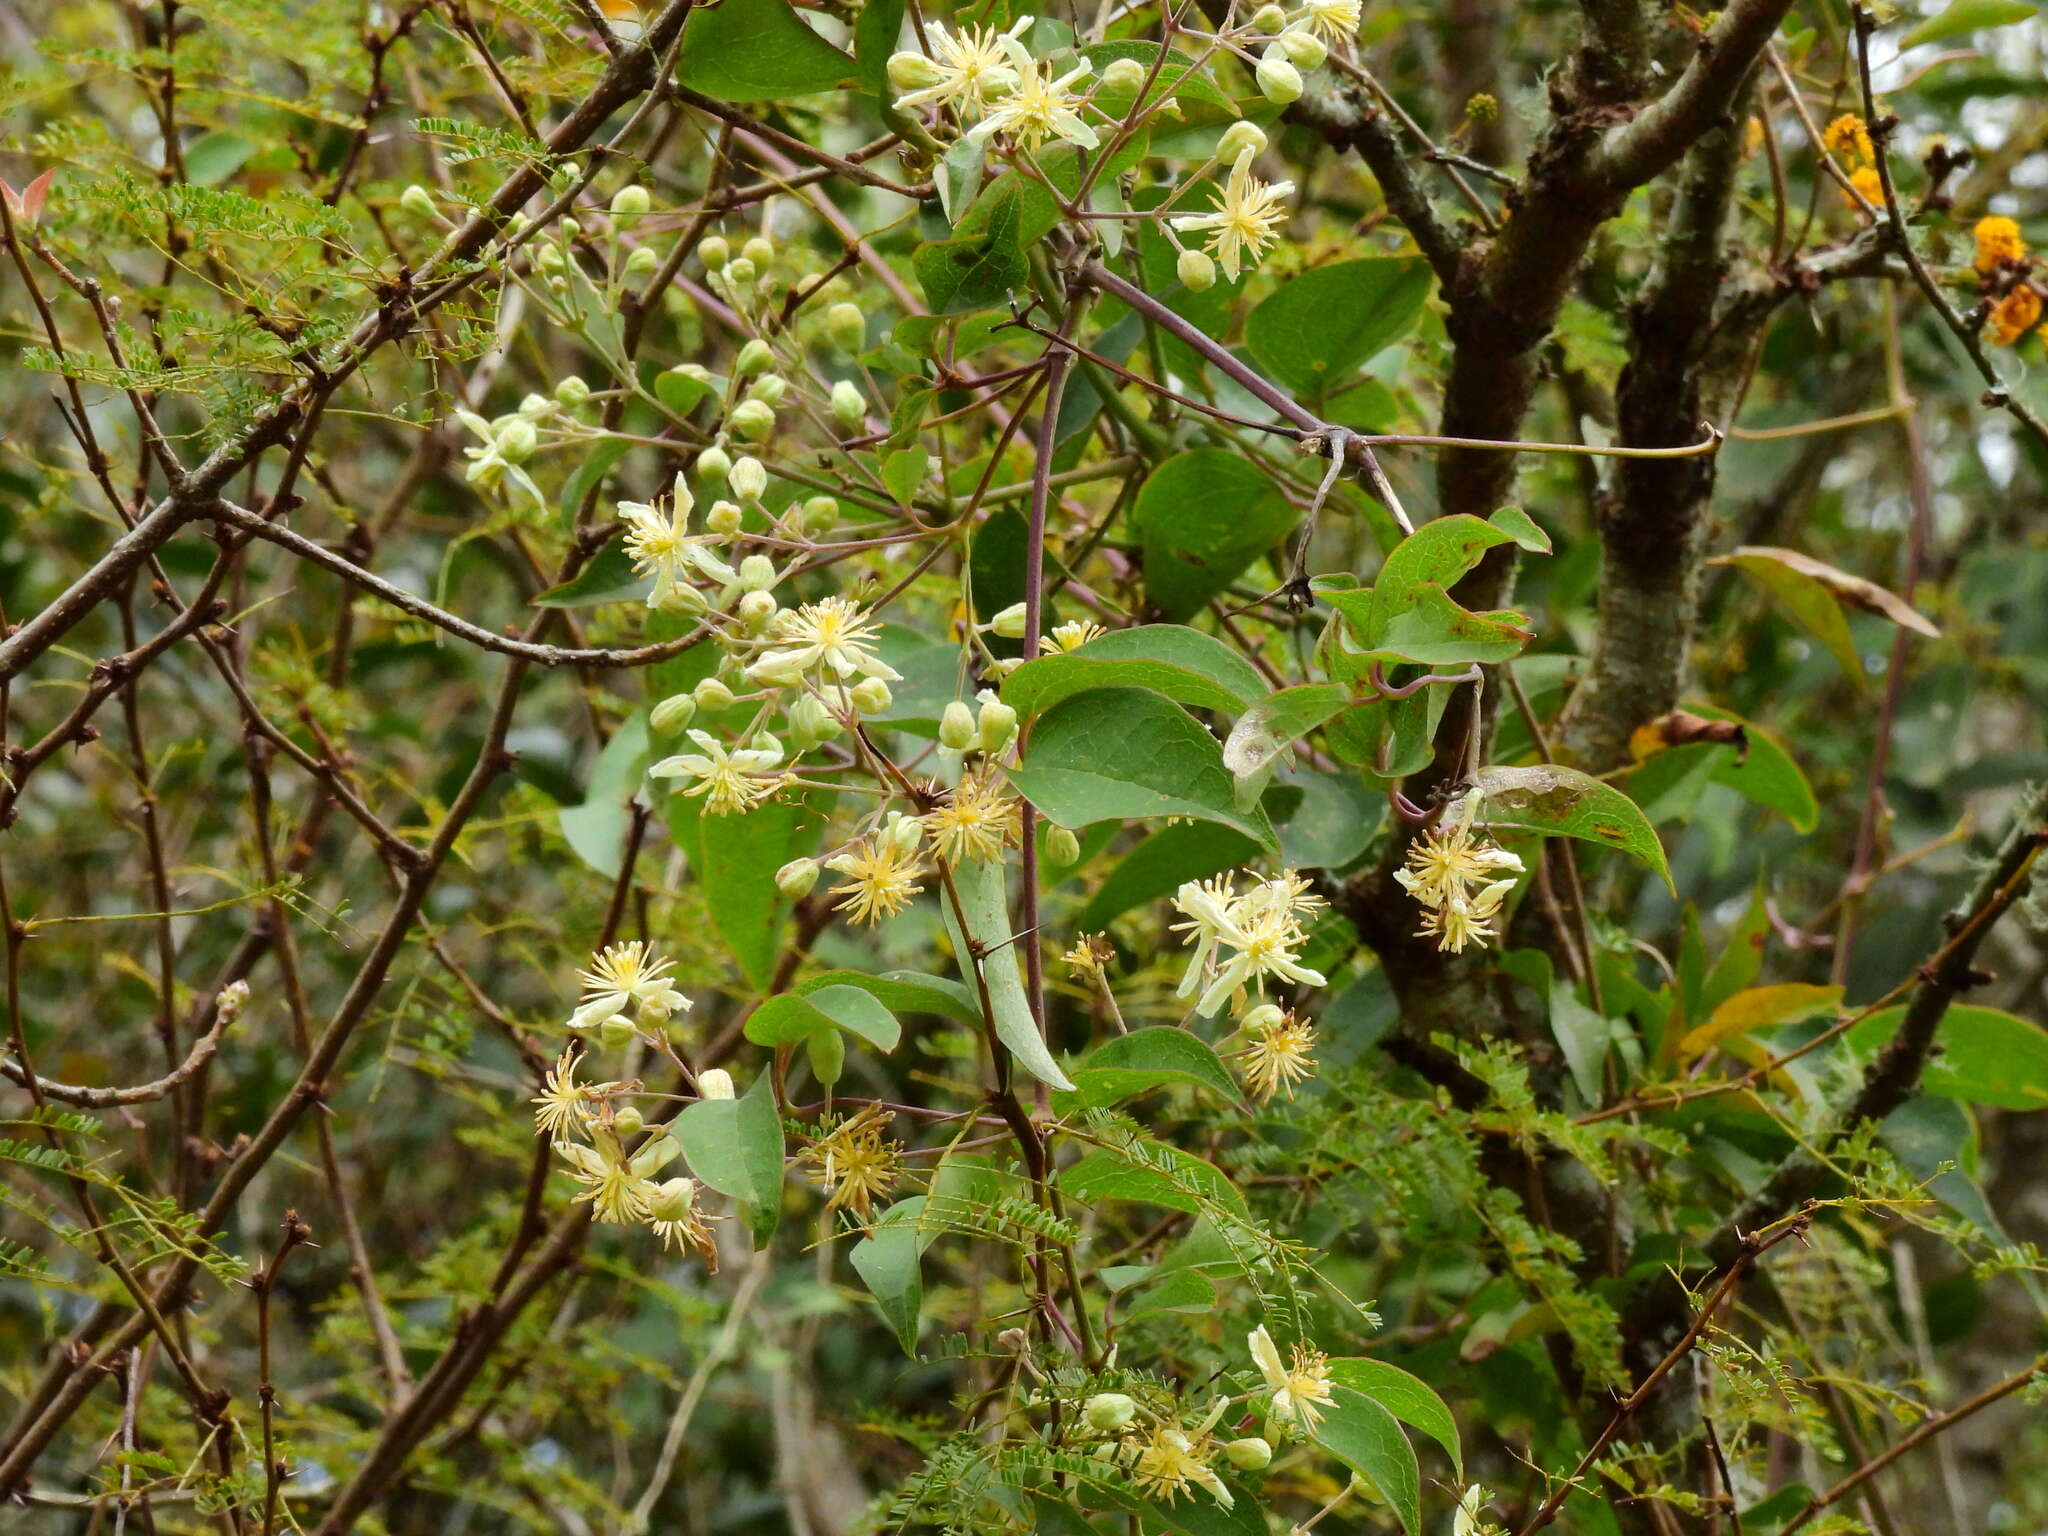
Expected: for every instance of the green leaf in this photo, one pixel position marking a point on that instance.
(1986, 1057)
(1203, 516)
(1967, 16)
(737, 857)
(792, 1017)
(681, 392)
(1181, 1182)
(985, 913)
(1161, 864)
(876, 31)
(212, 158)
(903, 472)
(1145, 1059)
(597, 829)
(887, 1262)
(995, 570)
(904, 992)
(735, 1146)
(1763, 772)
(1318, 327)
(589, 476)
(757, 50)
(975, 271)
(1408, 614)
(1562, 802)
(1807, 601)
(1124, 754)
(608, 578)
(957, 179)
(1408, 1398)
(1368, 1439)
(1184, 664)
(1276, 722)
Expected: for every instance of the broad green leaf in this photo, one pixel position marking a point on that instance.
(995, 569)
(792, 1017)
(1124, 754)
(757, 50)
(1318, 327)
(1037, 211)
(1760, 770)
(589, 475)
(607, 578)
(1161, 864)
(681, 392)
(1582, 1035)
(212, 158)
(1407, 1397)
(1806, 601)
(1962, 16)
(985, 914)
(975, 271)
(1408, 613)
(1986, 1056)
(904, 992)
(887, 1262)
(1193, 1514)
(1370, 1441)
(1180, 1181)
(1182, 663)
(957, 178)
(1145, 1059)
(1562, 802)
(876, 31)
(1332, 821)
(737, 857)
(735, 1146)
(597, 829)
(1277, 721)
(1202, 517)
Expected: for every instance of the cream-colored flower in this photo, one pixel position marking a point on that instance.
(1280, 1055)
(1262, 926)
(563, 1105)
(661, 545)
(505, 445)
(881, 877)
(1336, 20)
(973, 66)
(623, 976)
(976, 821)
(831, 635)
(1073, 634)
(1300, 1387)
(1038, 107)
(673, 1213)
(1246, 220)
(1458, 880)
(1169, 1461)
(618, 1186)
(855, 1163)
(731, 780)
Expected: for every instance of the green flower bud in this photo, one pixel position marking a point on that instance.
(827, 1052)
(630, 202)
(1124, 77)
(628, 1121)
(847, 325)
(616, 1033)
(1197, 271)
(1010, 622)
(572, 390)
(684, 599)
(716, 1082)
(712, 694)
(756, 610)
(957, 730)
(516, 440)
(906, 832)
(1262, 1018)
(1108, 1412)
(755, 357)
(536, 407)
(911, 72)
(1303, 48)
(810, 718)
(849, 405)
(416, 199)
(1279, 81)
(760, 250)
(739, 272)
(749, 479)
(724, 517)
(672, 714)
(1250, 1454)
(821, 511)
(871, 696)
(757, 573)
(642, 261)
(713, 252)
(1268, 18)
(769, 389)
(547, 258)
(1239, 138)
(998, 725)
(1062, 847)
(713, 465)
(796, 878)
(752, 420)
(673, 1199)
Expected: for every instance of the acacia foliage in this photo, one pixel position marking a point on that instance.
(817, 769)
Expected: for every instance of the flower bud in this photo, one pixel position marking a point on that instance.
(672, 714)
(1239, 139)
(673, 1199)
(572, 390)
(536, 407)
(1262, 1018)
(752, 420)
(849, 405)
(998, 724)
(630, 202)
(748, 478)
(956, 727)
(642, 261)
(760, 250)
(821, 510)
(616, 1032)
(757, 573)
(713, 465)
(1279, 81)
(755, 357)
(1251, 1454)
(1062, 847)
(911, 72)
(713, 252)
(1303, 48)
(905, 832)
(684, 599)
(516, 440)
(628, 1121)
(1010, 622)
(827, 1052)
(724, 517)
(715, 1083)
(871, 696)
(812, 720)
(417, 199)
(847, 325)
(769, 389)
(712, 694)
(756, 610)
(1124, 77)
(739, 272)
(1108, 1412)
(1197, 271)
(1268, 18)
(547, 258)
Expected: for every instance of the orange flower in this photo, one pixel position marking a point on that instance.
(1869, 185)
(1847, 135)
(2014, 315)
(1998, 242)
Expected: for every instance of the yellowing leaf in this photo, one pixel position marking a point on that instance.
(1759, 1008)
